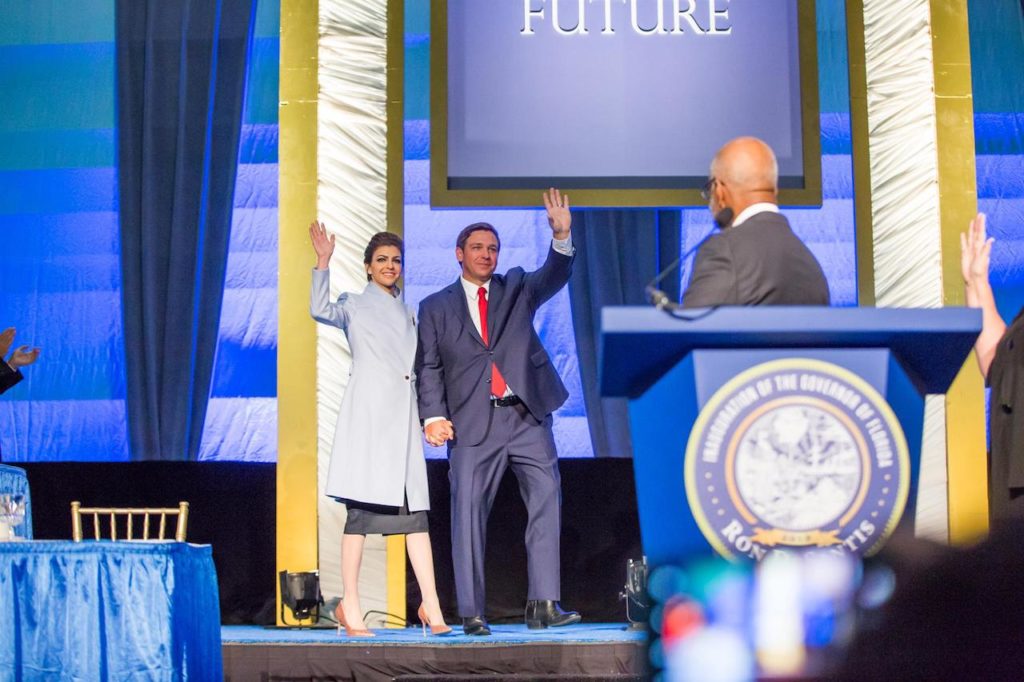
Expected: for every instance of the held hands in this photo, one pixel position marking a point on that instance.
(439, 432)
(975, 248)
(559, 217)
(322, 244)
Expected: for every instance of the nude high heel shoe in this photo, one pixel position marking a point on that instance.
(339, 614)
(436, 630)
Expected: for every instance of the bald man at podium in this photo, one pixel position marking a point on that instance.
(756, 259)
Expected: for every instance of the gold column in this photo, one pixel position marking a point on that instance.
(395, 218)
(396, 117)
(296, 343)
(958, 202)
(861, 155)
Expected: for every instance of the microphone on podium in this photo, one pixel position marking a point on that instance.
(658, 298)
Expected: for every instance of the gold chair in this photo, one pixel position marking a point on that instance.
(128, 514)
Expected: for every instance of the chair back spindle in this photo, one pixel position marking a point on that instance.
(100, 514)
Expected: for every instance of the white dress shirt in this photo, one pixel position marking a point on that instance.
(752, 210)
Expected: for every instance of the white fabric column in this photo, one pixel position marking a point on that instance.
(351, 158)
(905, 200)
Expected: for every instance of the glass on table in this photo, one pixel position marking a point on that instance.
(12, 514)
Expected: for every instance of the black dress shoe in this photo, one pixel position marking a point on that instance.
(545, 613)
(475, 625)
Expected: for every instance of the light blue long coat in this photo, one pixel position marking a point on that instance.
(378, 450)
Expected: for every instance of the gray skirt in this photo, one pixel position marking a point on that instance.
(376, 519)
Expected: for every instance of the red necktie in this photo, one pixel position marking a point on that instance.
(498, 386)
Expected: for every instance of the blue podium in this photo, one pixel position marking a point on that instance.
(774, 428)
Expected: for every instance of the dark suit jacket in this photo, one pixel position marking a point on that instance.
(759, 262)
(453, 366)
(8, 376)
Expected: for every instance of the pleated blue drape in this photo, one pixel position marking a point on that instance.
(618, 253)
(181, 67)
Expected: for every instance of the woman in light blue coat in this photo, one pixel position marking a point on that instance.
(377, 467)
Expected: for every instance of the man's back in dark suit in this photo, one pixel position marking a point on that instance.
(759, 262)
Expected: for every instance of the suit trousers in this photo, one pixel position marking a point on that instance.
(514, 439)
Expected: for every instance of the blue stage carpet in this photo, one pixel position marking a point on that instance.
(591, 652)
(598, 652)
(585, 633)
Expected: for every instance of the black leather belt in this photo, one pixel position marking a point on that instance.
(506, 402)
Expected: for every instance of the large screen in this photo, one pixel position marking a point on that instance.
(620, 102)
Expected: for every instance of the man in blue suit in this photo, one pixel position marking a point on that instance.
(488, 388)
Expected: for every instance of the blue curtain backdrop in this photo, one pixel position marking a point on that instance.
(181, 69)
(241, 417)
(997, 69)
(618, 253)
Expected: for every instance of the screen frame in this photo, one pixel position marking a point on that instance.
(442, 196)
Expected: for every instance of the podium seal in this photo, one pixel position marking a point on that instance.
(796, 454)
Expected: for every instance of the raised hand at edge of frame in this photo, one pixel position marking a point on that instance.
(22, 357)
(975, 251)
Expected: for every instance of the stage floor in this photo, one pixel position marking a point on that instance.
(589, 651)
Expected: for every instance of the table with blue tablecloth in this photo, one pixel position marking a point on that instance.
(108, 611)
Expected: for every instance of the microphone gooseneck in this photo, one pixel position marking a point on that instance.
(658, 298)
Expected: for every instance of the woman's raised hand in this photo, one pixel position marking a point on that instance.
(975, 249)
(323, 244)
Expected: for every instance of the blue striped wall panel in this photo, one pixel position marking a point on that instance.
(60, 286)
(58, 190)
(241, 429)
(64, 430)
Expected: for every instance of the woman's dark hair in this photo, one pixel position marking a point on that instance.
(382, 239)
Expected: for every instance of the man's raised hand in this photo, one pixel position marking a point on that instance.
(559, 216)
